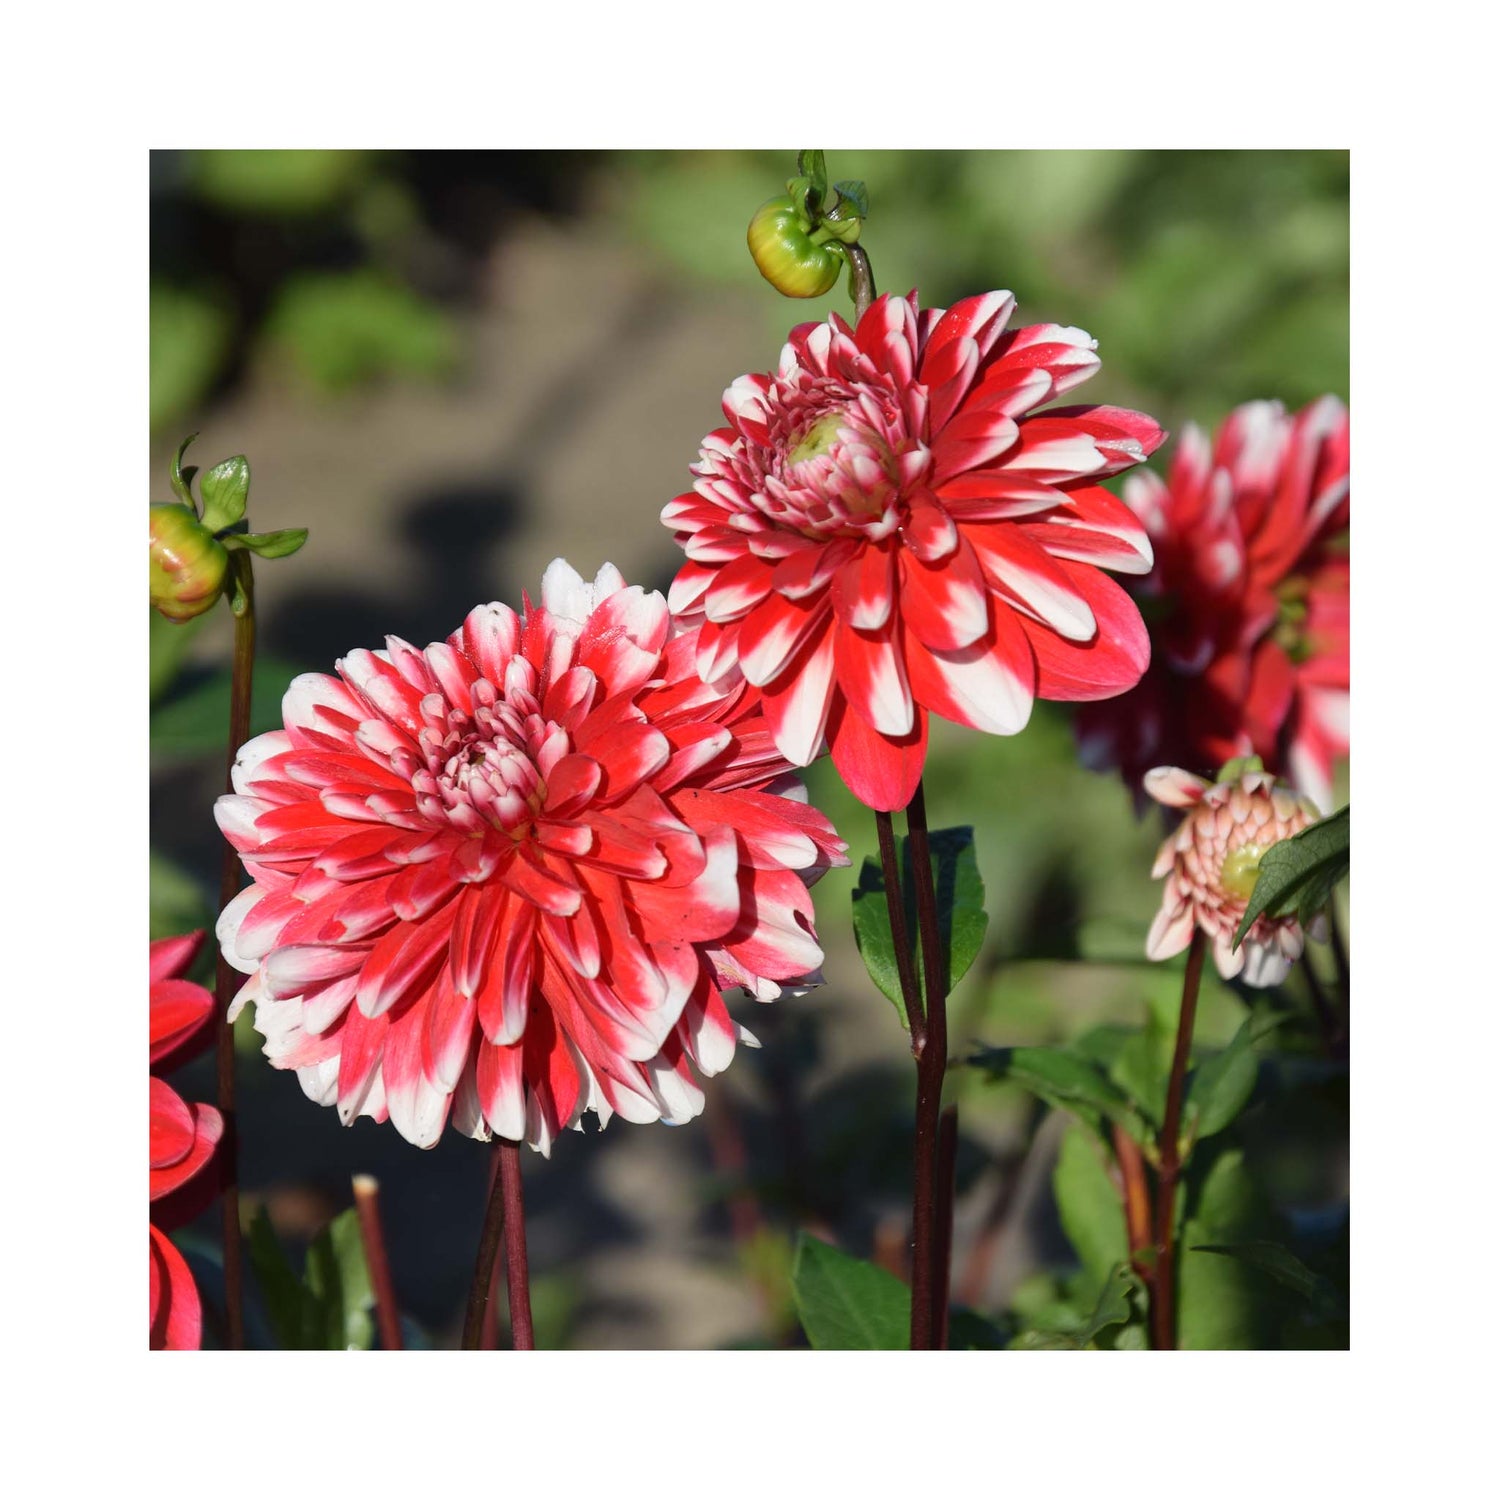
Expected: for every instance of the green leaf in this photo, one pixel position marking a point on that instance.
(1221, 1087)
(967, 1330)
(285, 1297)
(1113, 1307)
(268, 543)
(1279, 1262)
(338, 1284)
(1142, 1064)
(179, 904)
(225, 489)
(1299, 874)
(1088, 1204)
(855, 194)
(1222, 1303)
(810, 164)
(182, 479)
(1063, 1078)
(960, 909)
(846, 1303)
(197, 721)
(170, 641)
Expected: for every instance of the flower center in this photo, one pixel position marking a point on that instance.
(1238, 873)
(818, 439)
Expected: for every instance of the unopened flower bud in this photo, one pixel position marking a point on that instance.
(188, 564)
(1210, 862)
(785, 252)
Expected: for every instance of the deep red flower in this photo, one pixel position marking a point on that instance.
(889, 528)
(1249, 603)
(183, 1140)
(509, 875)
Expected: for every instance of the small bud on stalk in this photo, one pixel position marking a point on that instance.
(187, 563)
(190, 565)
(796, 242)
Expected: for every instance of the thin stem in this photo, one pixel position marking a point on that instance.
(1163, 1291)
(895, 905)
(863, 278)
(927, 1277)
(947, 1162)
(1136, 1195)
(226, 979)
(387, 1313)
(484, 1264)
(516, 1279)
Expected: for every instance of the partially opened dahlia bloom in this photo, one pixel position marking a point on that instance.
(1211, 861)
(1250, 603)
(183, 1140)
(889, 528)
(507, 877)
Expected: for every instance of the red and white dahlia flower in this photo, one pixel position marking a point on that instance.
(888, 528)
(508, 876)
(1211, 860)
(1250, 603)
(183, 1140)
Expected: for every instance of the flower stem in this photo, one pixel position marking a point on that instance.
(1136, 1195)
(226, 979)
(863, 278)
(929, 1279)
(516, 1278)
(484, 1263)
(1169, 1169)
(947, 1163)
(387, 1313)
(895, 905)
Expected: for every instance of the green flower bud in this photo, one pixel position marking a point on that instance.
(786, 254)
(188, 564)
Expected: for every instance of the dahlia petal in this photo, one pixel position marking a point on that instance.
(176, 1313)
(948, 372)
(505, 995)
(1174, 787)
(627, 757)
(737, 588)
(622, 639)
(980, 319)
(1026, 573)
(689, 586)
(971, 440)
(1095, 528)
(881, 771)
(1066, 354)
(418, 1107)
(873, 678)
(205, 1130)
(1113, 662)
(171, 1125)
(361, 1045)
(179, 1012)
(404, 962)
(796, 704)
(863, 590)
(320, 710)
(490, 637)
(322, 1008)
(988, 685)
(526, 876)
(288, 971)
(708, 1034)
(945, 606)
(1171, 931)
(500, 1081)
(572, 784)
(771, 633)
(480, 915)
(809, 569)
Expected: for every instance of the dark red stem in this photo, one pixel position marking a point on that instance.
(516, 1279)
(1169, 1169)
(226, 979)
(484, 1264)
(387, 1313)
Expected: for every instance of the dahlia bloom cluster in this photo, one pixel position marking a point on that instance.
(1210, 863)
(184, 1138)
(1249, 599)
(506, 879)
(889, 528)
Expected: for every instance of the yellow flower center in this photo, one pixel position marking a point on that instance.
(1239, 870)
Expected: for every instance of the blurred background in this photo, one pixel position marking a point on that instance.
(452, 367)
